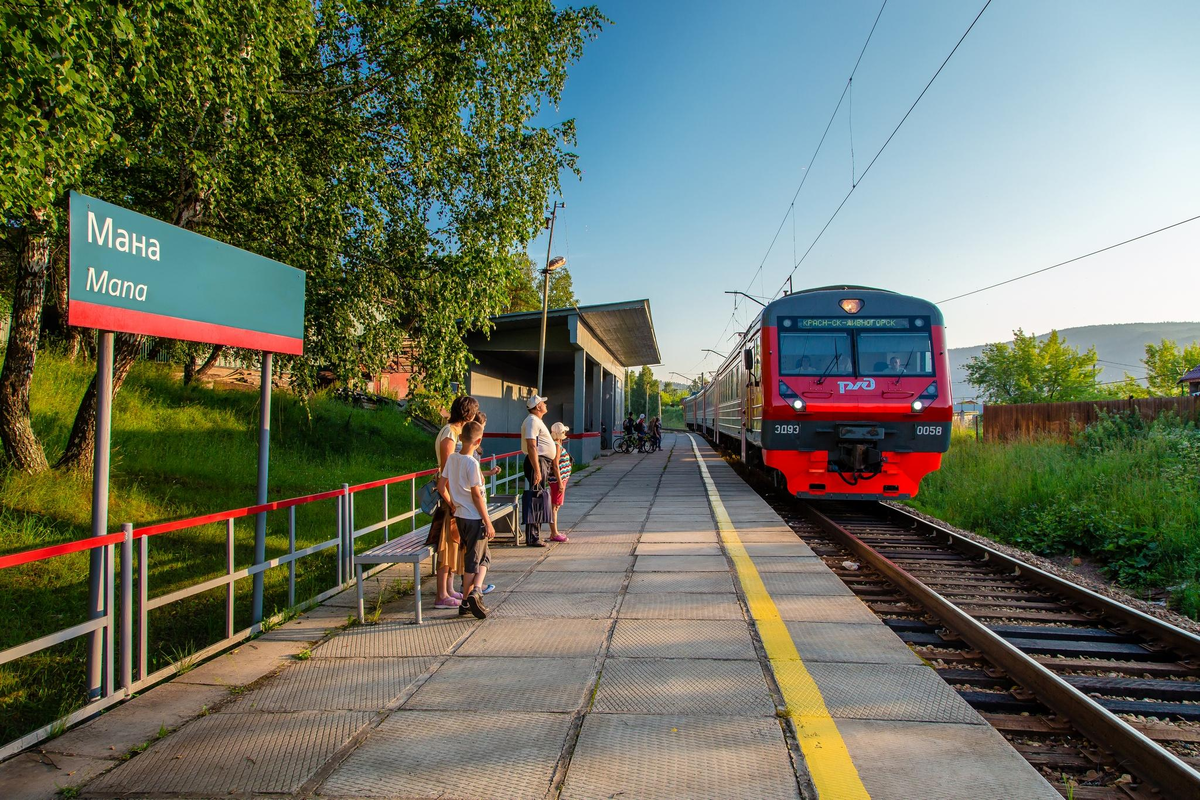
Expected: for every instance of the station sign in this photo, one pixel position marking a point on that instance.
(135, 274)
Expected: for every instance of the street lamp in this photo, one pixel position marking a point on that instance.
(551, 265)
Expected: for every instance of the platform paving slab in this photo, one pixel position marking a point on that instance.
(676, 638)
(336, 684)
(683, 686)
(397, 638)
(595, 605)
(671, 757)
(806, 583)
(902, 760)
(598, 564)
(704, 582)
(569, 583)
(678, 549)
(681, 564)
(674, 537)
(857, 644)
(680, 606)
(454, 756)
(506, 684)
(244, 664)
(534, 638)
(229, 753)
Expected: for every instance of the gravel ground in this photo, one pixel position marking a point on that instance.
(1085, 580)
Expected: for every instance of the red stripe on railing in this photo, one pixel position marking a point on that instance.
(17, 559)
(236, 513)
(37, 554)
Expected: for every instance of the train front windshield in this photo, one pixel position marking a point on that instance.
(875, 354)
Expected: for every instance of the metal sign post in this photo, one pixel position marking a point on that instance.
(264, 452)
(104, 376)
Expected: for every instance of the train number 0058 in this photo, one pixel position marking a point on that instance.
(787, 427)
(929, 430)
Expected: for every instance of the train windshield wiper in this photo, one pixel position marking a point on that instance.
(904, 369)
(832, 363)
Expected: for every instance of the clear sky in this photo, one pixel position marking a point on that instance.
(1056, 129)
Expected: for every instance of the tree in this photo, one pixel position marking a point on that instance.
(387, 150)
(642, 392)
(525, 292)
(1166, 363)
(1033, 371)
(67, 65)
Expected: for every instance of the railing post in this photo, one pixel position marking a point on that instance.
(127, 607)
(143, 597)
(412, 483)
(229, 586)
(492, 491)
(341, 536)
(291, 551)
(110, 616)
(347, 533)
(387, 529)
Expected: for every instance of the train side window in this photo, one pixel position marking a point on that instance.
(897, 354)
(815, 354)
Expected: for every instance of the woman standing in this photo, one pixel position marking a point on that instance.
(441, 534)
(558, 479)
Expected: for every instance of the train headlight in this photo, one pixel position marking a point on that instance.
(798, 404)
(917, 406)
(851, 306)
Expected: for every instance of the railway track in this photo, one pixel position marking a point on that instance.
(1102, 698)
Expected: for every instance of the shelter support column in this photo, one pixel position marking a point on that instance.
(580, 415)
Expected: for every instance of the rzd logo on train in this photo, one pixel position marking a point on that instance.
(866, 384)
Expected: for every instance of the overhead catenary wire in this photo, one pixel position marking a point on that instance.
(1072, 260)
(888, 141)
(758, 274)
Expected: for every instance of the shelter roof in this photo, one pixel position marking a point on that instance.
(1192, 375)
(625, 328)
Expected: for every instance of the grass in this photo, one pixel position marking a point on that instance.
(672, 417)
(179, 452)
(1123, 494)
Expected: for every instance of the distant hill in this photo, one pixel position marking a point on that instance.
(1123, 344)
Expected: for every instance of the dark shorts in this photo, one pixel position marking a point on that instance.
(545, 464)
(474, 544)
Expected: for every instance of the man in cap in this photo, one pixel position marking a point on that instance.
(538, 446)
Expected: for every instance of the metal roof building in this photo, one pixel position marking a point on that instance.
(588, 349)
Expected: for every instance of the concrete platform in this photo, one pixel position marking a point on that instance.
(685, 643)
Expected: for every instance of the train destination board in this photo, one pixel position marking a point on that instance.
(135, 274)
(895, 323)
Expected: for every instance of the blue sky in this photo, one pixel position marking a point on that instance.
(1056, 129)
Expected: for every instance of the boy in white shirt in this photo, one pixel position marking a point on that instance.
(461, 486)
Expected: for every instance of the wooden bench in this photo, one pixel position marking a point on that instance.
(411, 548)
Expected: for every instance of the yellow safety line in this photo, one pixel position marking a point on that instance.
(833, 772)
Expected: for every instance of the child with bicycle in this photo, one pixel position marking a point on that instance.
(558, 479)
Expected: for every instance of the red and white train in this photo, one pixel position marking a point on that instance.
(841, 392)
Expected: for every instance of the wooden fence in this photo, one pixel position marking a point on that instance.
(1026, 420)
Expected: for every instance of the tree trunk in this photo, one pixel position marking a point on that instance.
(82, 442)
(21, 446)
(209, 362)
(189, 369)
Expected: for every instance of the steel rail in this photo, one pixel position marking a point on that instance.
(1146, 758)
(1152, 627)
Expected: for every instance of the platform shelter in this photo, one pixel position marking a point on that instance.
(588, 349)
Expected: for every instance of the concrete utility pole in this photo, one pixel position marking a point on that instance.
(551, 264)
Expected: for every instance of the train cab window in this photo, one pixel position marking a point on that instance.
(897, 354)
(815, 354)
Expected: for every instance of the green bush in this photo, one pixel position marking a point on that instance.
(1124, 494)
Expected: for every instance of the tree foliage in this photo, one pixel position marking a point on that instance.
(1166, 363)
(642, 392)
(1030, 370)
(389, 150)
(525, 292)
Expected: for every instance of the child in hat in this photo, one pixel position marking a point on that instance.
(558, 480)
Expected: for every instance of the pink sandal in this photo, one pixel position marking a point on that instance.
(449, 602)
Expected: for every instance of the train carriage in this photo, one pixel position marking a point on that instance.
(839, 392)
